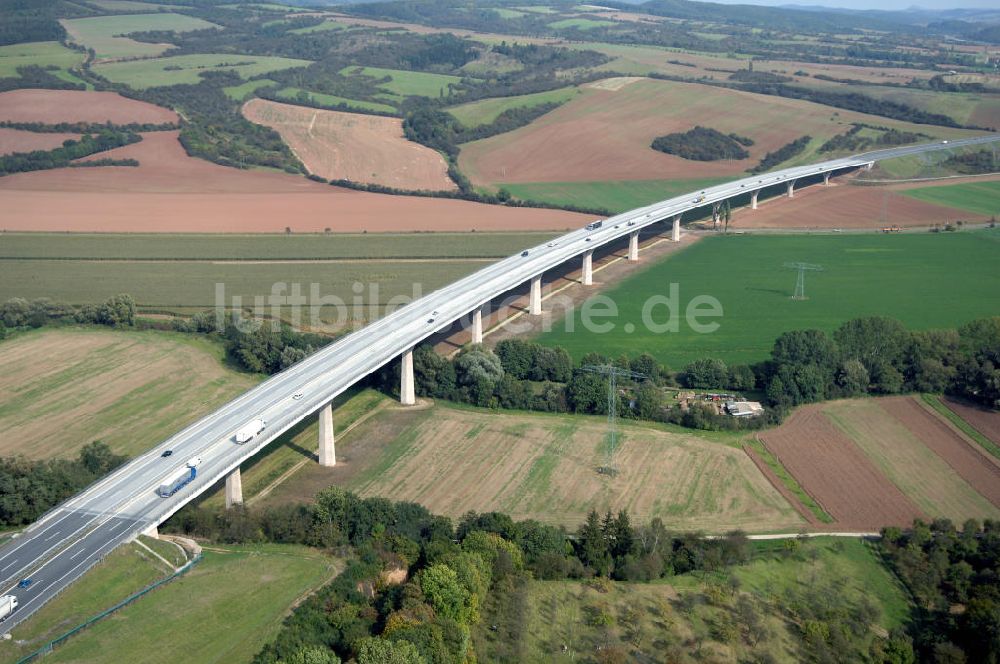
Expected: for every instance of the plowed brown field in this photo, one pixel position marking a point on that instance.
(353, 146)
(832, 469)
(846, 206)
(15, 140)
(986, 422)
(606, 134)
(974, 465)
(171, 192)
(54, 106)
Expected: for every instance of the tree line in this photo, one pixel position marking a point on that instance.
(37, 160)
(853, 141)
(20, 313)
(782, 154)
(29, 487)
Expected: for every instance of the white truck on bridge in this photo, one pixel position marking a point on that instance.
(250, 430)
(7, 605)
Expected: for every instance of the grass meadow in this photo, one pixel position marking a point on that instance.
(154, 72)
(42, 54)
(614, 195)
(486, 111)
(405, 83)
(223, 610)
(103, 33)
(979, 197)
(926, 281)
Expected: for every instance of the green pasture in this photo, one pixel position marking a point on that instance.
(154, 72)
(407, 83)
(292, 94)
(924, 280)
(486, 111)
(614, 195)
(978, 197)
(42, 54)
(103, 33)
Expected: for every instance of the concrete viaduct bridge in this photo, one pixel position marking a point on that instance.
(72, 537)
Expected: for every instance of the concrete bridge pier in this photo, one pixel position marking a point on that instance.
(869, 165)
(588, 268)
(633, 246)
(327, 449)
(826, 177)
(791, 189)
(715, 215)
(753, 199)
(675, 234)
(234, 488)
(477, 326)
(535, 305)
(407, 395)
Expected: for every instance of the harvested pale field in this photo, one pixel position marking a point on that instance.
(846, 206)
(61, 389)
(173, 193)
(352, 146)
(546, 468)
(929, 462)
(16, 140)
(986, 422)
(54, 106)
(606, 134)
(834, 471)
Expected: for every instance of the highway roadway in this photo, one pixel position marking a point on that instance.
(68, 540)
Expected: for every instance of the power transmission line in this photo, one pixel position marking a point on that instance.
(612, 373)
(800, 282)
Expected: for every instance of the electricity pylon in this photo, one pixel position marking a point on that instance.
(800, 283)
(613, 373)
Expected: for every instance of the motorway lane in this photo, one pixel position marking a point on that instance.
(130, 491)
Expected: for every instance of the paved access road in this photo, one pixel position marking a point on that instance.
(70, 539)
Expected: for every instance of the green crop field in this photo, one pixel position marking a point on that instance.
(105, 246)
(322, 27)
(224, 610)
(650, 618)
(407, 82)
(614, 195)
(291, 94)
(43, 54)
(507, 13)
(128, 6)
(580, 24)
(125, 571)
(485, 111)
(979, 197)
(242, 91)
(926, 281)
(142, 74)
(102, 33)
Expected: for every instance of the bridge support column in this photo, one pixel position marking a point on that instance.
(327, 449)
(633, 246)
(791, 189)
(869, 165)
(477, 326)
(588, 268)
(234, 489)
(753, 199)
(715, 216)
(535, 305)
(826, 177)
(407, 396)
(675, 234)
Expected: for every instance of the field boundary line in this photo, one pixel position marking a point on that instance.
(865, 183)
(946, 414)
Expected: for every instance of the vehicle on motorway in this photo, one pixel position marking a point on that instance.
(589, 239)
(524, 253)
(594, 225)
(297, 396)
(430, 320)
(167, 453)
(194, 462)
(698, 200)
(7, 605)
(176, 480)
(24, 583)
(250, 430)
(944, 142)
(551, 244)
(632, 223)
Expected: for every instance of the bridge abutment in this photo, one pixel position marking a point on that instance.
(327, 447)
